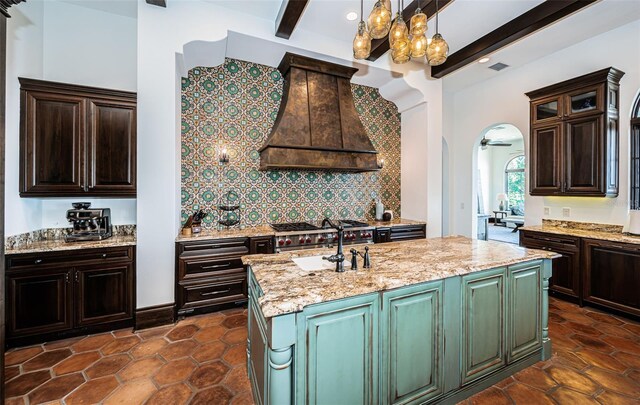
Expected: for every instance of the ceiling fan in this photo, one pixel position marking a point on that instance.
(484, 143)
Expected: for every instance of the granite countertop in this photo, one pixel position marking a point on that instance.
(396, 222)
(584, 233)
(207, 234)
(288, 289)
(60, 245)
(266, 230)
(608, 232)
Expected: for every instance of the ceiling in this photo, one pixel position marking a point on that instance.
(504, 132)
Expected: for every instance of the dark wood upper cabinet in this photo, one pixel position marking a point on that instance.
(574, 136)
(76, 141)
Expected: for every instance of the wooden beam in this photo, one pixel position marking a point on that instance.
(380, 46)
(533, 20)
(5, 4)
(159, 3)
(288, 17)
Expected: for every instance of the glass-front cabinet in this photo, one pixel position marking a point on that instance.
(545, 110)
(585, 101)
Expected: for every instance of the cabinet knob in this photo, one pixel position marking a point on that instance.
(104, 255)
(37, 261)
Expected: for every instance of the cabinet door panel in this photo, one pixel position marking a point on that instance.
(483, 328)
(38, 302)
(524, 309)
(112, 147)
(612, 275)
(104, 293)
(413, 345)
(261, 245)
(52, 144)
(545, 164)
(545, 110)
(583, 147)
(565, 272)
(340, 352)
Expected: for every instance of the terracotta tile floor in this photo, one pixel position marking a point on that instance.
(201, 360)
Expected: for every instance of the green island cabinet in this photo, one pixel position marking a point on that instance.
(435, 342)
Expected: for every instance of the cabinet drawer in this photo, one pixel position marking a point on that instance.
(208, 266)
(214, 291)
(214, 248)
(408, 232)
(69, 258)
(538, 240)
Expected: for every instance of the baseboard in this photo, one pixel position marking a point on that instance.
(158, 315)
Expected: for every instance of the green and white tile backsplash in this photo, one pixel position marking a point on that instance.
(234, 106)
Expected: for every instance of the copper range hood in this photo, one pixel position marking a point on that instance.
(317, 127)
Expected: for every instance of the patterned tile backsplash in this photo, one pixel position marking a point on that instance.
(234, 106)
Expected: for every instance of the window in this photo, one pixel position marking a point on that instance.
(514, 182)
(634, 193)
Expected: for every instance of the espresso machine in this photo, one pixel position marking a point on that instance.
(88, 223)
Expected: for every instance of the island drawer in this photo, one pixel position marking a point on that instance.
(66, 257)
(399, 233)
(213, 292)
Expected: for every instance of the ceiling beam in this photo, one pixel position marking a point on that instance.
(288, 17)
(380, 46)
(5, 4)
(159, 3)
(533, 20)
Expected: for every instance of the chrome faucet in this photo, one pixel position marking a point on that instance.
(338, 258)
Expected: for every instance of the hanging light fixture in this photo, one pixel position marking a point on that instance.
(399, 39)
(379, 20)
(438, 49)
(362, 40)
(418, 37)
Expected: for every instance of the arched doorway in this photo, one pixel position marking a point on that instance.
(501, 183)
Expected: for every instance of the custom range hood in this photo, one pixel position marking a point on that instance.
(317, 127)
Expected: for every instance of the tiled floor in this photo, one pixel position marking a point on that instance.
(201, 360)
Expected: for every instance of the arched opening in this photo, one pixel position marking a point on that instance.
(634, 181)
(501, 183)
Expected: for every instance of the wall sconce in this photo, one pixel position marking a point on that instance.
(380, 163)
(224, 155)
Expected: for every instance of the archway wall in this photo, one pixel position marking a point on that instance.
(189, 33)
(501, 99)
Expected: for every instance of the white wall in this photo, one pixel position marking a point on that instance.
(502, 99)
(57, 41)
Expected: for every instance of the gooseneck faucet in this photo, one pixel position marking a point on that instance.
(338, 258)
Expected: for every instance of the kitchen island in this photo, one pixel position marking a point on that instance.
(432, 320)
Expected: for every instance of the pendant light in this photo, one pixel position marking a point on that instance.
(362, 40)
(399, 39)
(379, 20)
(438, 49)
(418, 38)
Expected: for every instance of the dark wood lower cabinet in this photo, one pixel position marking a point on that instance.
(612, 275)
(565, 276)
(57, 294)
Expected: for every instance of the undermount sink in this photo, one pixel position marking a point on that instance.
(312, 263)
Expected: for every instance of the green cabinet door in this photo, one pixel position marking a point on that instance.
(525, 317)
(412, 344)
(257, 352)
(337, 353)
(483, 324)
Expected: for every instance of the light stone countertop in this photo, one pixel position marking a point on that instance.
(266, 230)
(288, 289)
(60, 245)
(584, 233)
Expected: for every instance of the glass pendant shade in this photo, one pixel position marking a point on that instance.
(418, 23)
(362, 42)
(387, 5)
(399, 31)
(437, 51)
(379, 21)
(418, 46)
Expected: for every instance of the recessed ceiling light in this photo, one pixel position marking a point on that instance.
(351, 16)
(484, 60)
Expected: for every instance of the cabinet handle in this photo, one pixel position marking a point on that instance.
(66, 278)
(216, 266)
(37, 261)
(215, 292)
(104, 255)
(77, 277)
